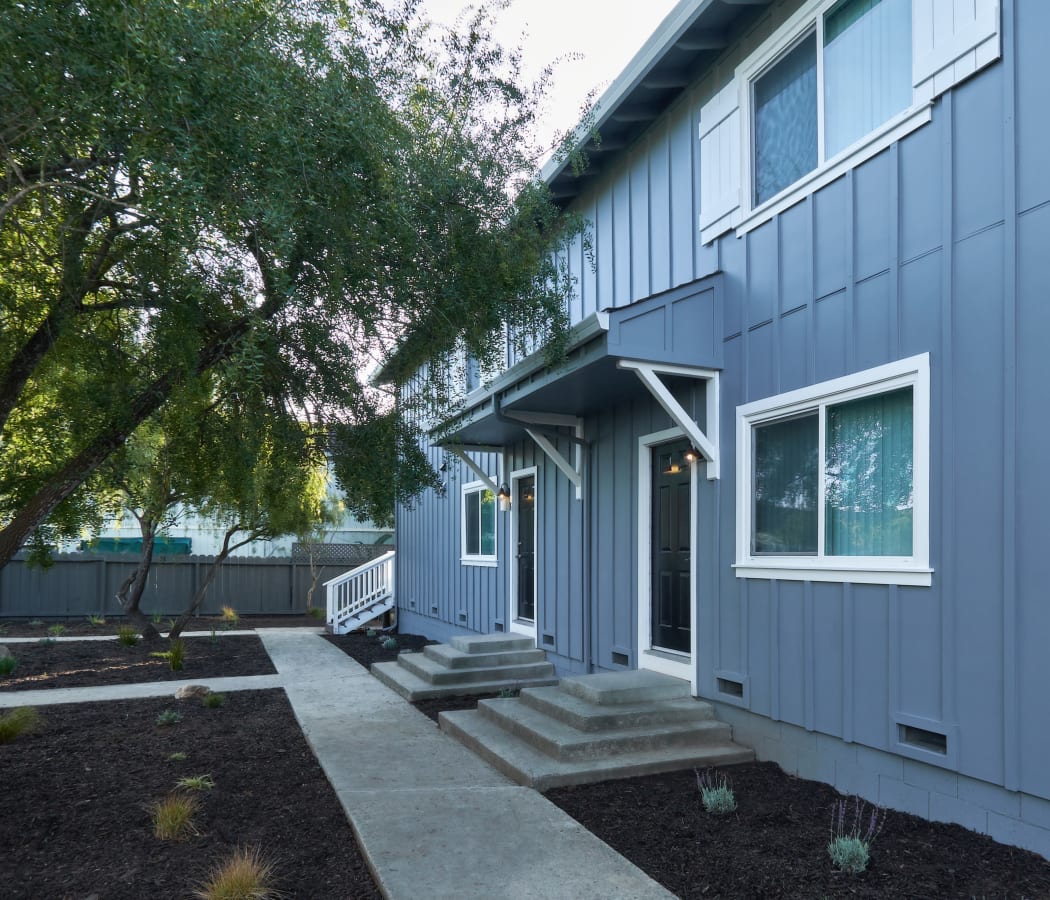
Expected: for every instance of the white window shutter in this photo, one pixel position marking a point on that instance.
(951, 39)
(720, 169)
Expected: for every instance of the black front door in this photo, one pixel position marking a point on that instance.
(525, 510)
(671, 513)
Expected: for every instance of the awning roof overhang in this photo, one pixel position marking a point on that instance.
(678, 330)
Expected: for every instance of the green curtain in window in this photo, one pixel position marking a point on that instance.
(869, 476)
(785, 489)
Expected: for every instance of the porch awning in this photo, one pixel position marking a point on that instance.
(680, 329)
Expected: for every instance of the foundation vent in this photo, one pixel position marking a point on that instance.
(548, 639)
(921, 739)
(731, 688)
(620, 659)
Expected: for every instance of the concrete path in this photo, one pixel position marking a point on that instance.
(433, 820)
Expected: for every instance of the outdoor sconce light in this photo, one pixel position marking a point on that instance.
(693, 455)
(503, 495)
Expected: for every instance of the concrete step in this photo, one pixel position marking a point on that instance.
(585, 716)
(430, 670)
(412, 687)
(492, 643)
(451, 658)
(564, 742)
(628, 687)
(529, 766)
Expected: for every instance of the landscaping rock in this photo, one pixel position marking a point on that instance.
(189, 691)
(4, 651)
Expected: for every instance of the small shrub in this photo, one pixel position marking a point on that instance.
(56, 630)
(178, 756)
(96, 619)
(20, 720)
(169, 717)
(127, 636)
(36, 623)
(716, 793)
(3, 628)
(177, 655)
(156, 618)
(7, 665)
(245, 875)
(851, 836)
(315, 612)
(390, 644)
(230, 617)
(214, 701)
(173, 817)
(195, 783)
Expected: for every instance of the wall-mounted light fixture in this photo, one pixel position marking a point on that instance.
(503, 496)
(693, 455)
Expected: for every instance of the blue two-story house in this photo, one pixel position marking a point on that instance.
(793, 456)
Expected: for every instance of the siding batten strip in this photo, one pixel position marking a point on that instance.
(1012, 779)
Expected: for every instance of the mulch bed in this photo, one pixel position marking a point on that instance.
(774, 845)
(76, 794)
(82, 626)
(91, 663)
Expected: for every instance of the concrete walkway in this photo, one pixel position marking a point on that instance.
(433, 820)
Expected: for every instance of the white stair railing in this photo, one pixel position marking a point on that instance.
(360, 588)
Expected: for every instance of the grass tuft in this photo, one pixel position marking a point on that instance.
(178, 756)
(127, 635)
(7, 665)
(230, 617)
(195, 783)
(245, 875)
(20, 720)
(169, 717)
(177, 655)
(96, 619)
(315, 612)
(56, 630)
(173, 817)
(715, 792)
(214, 701)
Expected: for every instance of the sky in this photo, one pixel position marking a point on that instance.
(605, 33)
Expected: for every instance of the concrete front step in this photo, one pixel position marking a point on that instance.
(432, 671)
(452, 658)
(585, 716)
(412, 687)
(528, 766)
(491, 643)
(617, 688)
(564, 742)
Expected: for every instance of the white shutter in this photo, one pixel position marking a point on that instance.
(951, 40)
(720, 175)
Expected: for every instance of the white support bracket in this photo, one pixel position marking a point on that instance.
(572, 472)
(707, 444)
(483, 476)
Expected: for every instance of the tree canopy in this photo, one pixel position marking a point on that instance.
(261, 192)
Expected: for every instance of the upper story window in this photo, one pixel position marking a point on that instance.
(840, 81)
(471, 372)
(479, 524)
(846, 76)
(834, 481)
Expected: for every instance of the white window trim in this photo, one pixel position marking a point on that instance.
(794, 29)
(911, 570)
(478, 559)
(522, 626)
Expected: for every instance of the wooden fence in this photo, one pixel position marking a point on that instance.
(82, 584)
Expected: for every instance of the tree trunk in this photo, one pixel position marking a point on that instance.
(209, 577)
(130, 593)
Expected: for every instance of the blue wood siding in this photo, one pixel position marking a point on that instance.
(941, 245)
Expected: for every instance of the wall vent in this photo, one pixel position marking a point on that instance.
(730, 687)
(499, 626)
(548, 639)
(435, 608)
(463, 616)
(411, 604)
(620, 659)
(921, 739)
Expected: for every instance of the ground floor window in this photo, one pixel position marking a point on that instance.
(479, 524)
(834, 479)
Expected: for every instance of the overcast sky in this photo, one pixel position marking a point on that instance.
(607, 33)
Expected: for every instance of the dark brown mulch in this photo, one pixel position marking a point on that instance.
(82, 626)
(76, 796)
(774, 845)
(91, 663)
(367, 650)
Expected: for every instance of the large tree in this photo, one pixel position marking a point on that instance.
(268, 191)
